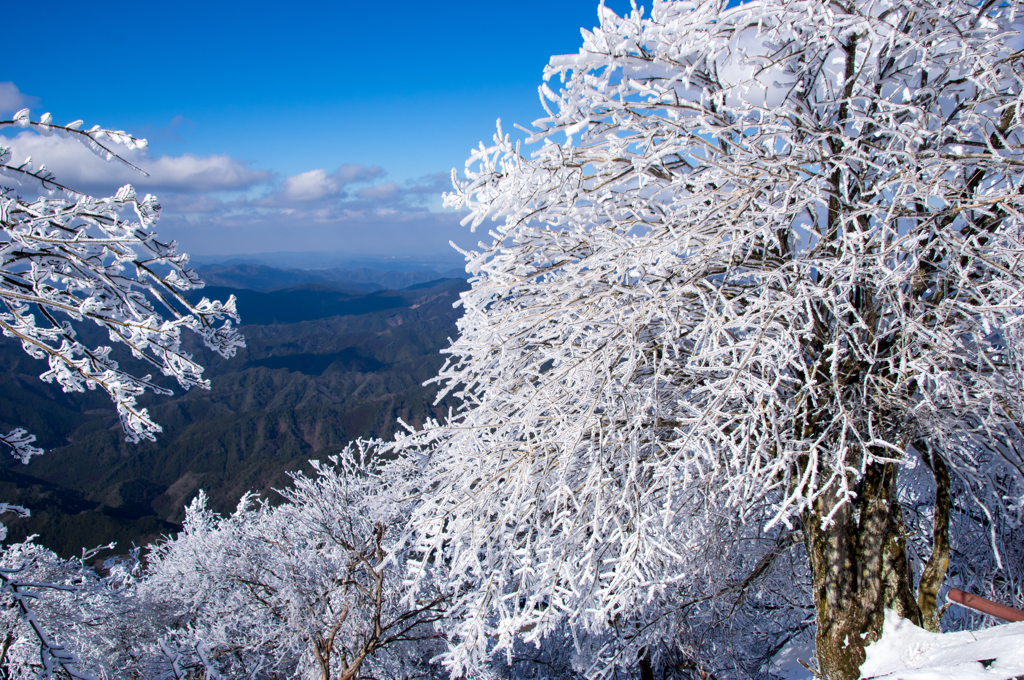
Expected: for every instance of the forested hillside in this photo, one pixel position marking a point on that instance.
(736, 382)
(322, 366)
(255, 276)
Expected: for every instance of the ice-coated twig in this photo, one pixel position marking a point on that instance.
(75, 258)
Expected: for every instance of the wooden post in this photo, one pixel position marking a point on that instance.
(985, 606)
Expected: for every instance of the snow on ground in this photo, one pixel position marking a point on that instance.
(906, 652)
(786, 664)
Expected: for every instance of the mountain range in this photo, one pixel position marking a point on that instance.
(255, 276)
(324, 363)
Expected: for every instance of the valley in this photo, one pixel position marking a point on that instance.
(325, 363)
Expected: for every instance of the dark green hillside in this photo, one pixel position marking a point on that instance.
(301, 389)
(359, 280)
(347, 360)
(306, 302)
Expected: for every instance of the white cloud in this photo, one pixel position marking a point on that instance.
(351, 208)
(309, 186)
(12, 99)
(192, 204)
(314, 185)
(353, 173)
(77, 167)
(326, 195)
(207, 173)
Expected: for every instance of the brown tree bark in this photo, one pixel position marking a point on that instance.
(859, 568)
(934, 571)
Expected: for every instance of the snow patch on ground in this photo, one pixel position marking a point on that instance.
(785, 664)
(906, 652)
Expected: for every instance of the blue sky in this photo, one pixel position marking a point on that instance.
(327, 126)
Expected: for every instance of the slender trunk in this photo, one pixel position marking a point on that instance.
(5, 672)
(858, 565)
(646, 671)
(897, 576)
(351, 672)
(934, 571)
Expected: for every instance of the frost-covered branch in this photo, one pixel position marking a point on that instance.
(312, 587)
(20, 442)
(51, 654)
(752, 255)
(66, 258)
(60, 618)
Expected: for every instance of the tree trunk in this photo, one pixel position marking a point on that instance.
(859, 568)
(646, 671)
(935, 571)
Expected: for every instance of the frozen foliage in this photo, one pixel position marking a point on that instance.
(757, 261)
(16, 510)
(59, 618)
(66, 257)
(309, 589)
(742, 359)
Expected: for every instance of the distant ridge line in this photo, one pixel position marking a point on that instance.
(318, 260)
(360, 280)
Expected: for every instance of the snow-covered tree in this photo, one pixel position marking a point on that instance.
(759, 263)
(60, 618)
(308, 589)
(312, 588)
(66, 257)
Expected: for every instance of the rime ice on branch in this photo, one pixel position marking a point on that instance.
(757, 262)
(66, 258)
(311, 588)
